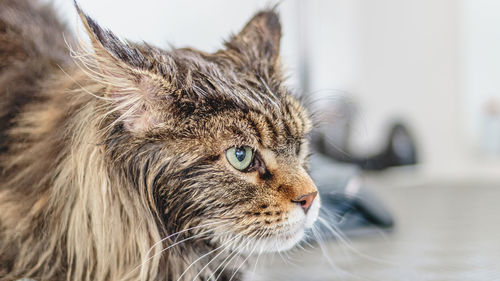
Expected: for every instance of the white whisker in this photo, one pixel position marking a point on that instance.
(204, 255)
(242, 245)
(211, 260)
(143, 263)
(343, 239)
(256, 261)
(243, 262)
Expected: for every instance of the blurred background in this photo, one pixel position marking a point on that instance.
(432, 63)
(432, 66)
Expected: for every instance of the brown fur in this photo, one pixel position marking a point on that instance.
(104, 156)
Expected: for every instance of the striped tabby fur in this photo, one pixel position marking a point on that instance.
(112, 156)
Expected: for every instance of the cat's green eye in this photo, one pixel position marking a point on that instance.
(240, 157)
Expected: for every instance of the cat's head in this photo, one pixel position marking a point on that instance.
(214, 142)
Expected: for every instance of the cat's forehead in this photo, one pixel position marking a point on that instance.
(195, 68)
(217, 97)
(220, 126)
(211, 83)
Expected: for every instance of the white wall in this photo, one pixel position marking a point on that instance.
(409, 71)
(431, 63)
(480, 71)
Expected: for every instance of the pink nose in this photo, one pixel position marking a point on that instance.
(305, 201)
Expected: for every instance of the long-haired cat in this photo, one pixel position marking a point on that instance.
(129, 162)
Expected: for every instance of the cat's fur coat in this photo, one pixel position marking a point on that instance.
(107, 153)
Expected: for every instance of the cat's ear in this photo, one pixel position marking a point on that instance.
(259, 41)
(123, 69)
(107, 45)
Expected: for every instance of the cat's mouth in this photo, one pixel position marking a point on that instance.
(294, 230)
(285, 235)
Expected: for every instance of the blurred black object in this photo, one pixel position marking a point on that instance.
(333, 137)
(347, 205)
(400, 150)
(355, 207)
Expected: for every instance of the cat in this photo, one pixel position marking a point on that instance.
(124, 161)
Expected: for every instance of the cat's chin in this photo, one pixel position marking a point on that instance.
(282, 242)
(274, 243)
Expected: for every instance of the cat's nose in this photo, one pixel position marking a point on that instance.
(305, 201)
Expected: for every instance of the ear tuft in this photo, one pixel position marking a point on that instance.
(259, 41)
(105, 42)
(269, 23)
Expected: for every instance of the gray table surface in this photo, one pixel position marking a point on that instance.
(446, 230)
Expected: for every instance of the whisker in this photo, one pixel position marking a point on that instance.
(243, 262)
(204, 255)
(232, 255)
(344, 242)
(179, 232)
(343, 239)
(256, 261)
(242, 245)
(320, 241)
(143, 263)
(211, 260)
(222, 263)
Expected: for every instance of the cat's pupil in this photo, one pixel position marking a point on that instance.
(240, 154)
